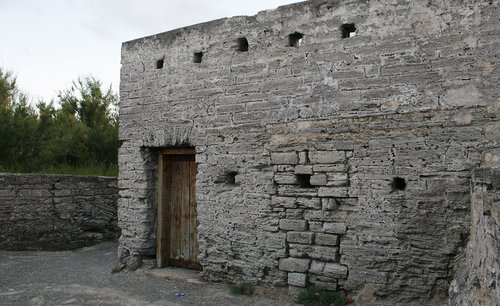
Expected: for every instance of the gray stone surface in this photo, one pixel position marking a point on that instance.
(297, 279)
(83, 277)
(395, 117)
(327, 157)
(293, 225)
(326, 239)
(300, 237)
(56, 212)
(294, 264)
(477, 280)
(334, 227)
(284, 158)
(335, 270)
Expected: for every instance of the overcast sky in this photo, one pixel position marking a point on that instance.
(50, 43)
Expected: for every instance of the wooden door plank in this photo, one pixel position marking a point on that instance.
(193, 214)
(185, 210)
(160, 260)
(162, 213)
(177, 242)
(176, 212)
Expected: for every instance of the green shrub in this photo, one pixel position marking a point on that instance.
(242, 289)
(313, 296)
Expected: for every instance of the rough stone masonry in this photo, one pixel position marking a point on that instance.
(56, 212)
(335, 140)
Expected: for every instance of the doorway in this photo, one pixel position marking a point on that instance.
(177, 242)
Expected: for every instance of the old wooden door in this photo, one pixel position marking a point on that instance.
(177, 243)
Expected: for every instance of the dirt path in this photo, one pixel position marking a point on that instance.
(83, 277)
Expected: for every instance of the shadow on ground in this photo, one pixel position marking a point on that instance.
(83, 277)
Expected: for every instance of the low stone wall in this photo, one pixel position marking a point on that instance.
(54, 212)
(477, 282)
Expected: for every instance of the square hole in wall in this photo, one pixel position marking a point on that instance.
(197, 57)
(304, 180)
(159, 63)
(242, 44)
(230, 178)
(348, 30)
(295, 39)
(398, 183)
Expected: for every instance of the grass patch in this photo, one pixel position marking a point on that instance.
(242, 289)
(313, 296)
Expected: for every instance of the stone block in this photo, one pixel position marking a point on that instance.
(22, 193)
(327, 157)
(293, 225)
(284, 168)
(335, 270)
(285, 178)
(294, 264)
(326, 239)
(329, 204)
(334, 228)
(300, 250)
(492, 132)
(297, 279)
(319, 215)
(300, 237)
(303, 169)
(315, 226)
(62, 193)
(318, 179)
(294, 213)
(313, 203)
(325, 253)
(340, 192)
(317, 267)
(7, 193)
(296, 191)
(337, 179)
(467, 95)
(285, 202)
(491, 158)
(303, 157)
(284, 158)
(330, 168)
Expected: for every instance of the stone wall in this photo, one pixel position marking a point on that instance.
(348, 130)
(477, 282)
(56, 212)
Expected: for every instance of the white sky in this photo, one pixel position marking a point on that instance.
(50, 43)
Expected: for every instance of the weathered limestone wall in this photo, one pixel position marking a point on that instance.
(56, 212)
(477, 281)
(351, 157)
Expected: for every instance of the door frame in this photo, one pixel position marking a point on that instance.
(162, 242)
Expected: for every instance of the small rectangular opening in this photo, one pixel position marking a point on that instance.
(295, 39)
(304, 180)
(197, 57)
(348, 30)
(242, 44)
(398, 183)
(159, 63)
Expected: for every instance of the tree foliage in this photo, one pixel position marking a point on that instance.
(81, 132)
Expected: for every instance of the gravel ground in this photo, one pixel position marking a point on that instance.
(83, 277)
